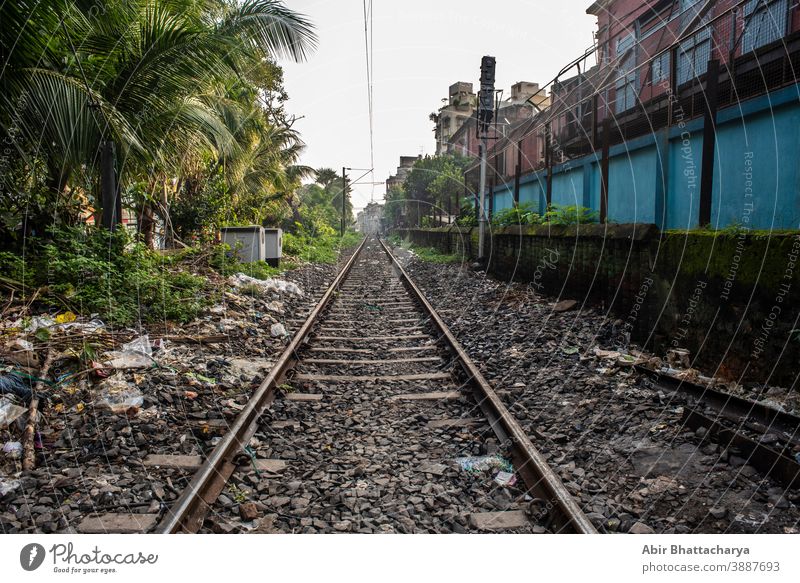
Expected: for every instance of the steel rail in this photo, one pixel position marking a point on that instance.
(565, 513)
(730, 406)
(188, 512)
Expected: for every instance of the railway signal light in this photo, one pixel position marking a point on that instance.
(486, 95)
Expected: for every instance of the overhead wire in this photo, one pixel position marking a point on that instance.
(368, 53)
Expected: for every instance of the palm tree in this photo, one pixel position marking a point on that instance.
(139, 72)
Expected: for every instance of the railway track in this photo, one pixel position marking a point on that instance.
(359, 426)
(769, 438)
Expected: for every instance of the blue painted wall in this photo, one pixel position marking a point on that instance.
(568, 187)
(632, 186)
(682, 198)
(503, 198)
(756, 172)
(531, 193)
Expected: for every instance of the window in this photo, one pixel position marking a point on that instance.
(626, 82)
(660, 69)
(693, 56)
(694, 52)
(764, 22)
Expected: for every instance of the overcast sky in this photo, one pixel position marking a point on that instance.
(419, 49)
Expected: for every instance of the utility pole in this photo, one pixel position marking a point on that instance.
(109, 195)
(344, 193)
(485, 116)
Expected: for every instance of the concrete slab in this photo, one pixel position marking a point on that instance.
(117, 523)
(426, 396)
(179, 462)
(444, 423)
(499, 520)
(304, 397)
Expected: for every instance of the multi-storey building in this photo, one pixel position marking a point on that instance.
(655, 124)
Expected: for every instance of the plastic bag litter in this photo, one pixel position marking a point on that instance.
(278, 330)
(93, 325)
(21, 344)
(13, 449)
(268, 285)
(484, 462)
(135, 354)
(14, 385)
(8, 486)
(40, 322)
(9, 412)
(119, 396)
(505, 479)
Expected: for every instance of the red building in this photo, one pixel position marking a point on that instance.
(649, 70)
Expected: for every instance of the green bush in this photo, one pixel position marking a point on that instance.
(320, 247)
(522, 214)
(570, 215)
(467, 218)
(89, 270)
(225, 261)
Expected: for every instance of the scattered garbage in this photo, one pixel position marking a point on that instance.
(21, 344)
(196, 379)
(620, 358)
(13, 384)
(275, 306)
(9, 486)
(268, 285)
(66, 318)
(9, 412)
(119, 396)
(678, 358)
(137, 353)
(39, 322)
(278, 330)
(505, 479)
(20, 352)
(13, 449)
(484, 462)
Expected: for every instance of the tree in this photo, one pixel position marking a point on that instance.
(170, 82)
(432, 183)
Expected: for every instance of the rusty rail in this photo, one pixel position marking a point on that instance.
(189, 510)
(566, 516)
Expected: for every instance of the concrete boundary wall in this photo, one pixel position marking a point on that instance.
(732, 299)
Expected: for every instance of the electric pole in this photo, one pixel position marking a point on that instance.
(485, 116)
(344, 193)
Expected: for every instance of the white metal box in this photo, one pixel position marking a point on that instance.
(248, 242)
(273, 245)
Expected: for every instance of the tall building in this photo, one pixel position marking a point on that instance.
(406, 164)
(461, 104)
(370, 220)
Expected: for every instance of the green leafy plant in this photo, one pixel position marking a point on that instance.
(522, 214)
(91, 270)
(570, 215)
